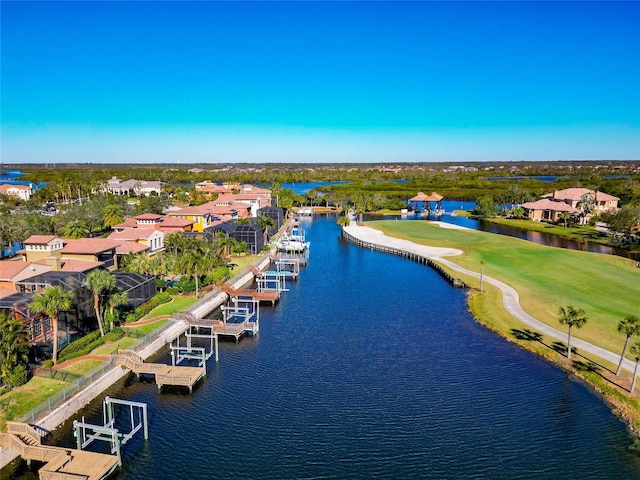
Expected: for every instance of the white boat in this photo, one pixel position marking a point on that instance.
(292, 243)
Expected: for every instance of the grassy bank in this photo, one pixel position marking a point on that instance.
(546, 278)
(579, 233)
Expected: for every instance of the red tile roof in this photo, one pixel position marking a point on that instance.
(10, 268)
(553, 205)
(39, 239)
(89, 246)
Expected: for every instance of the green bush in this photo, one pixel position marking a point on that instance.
(17, 376)
(141, 310)
(220, 274)
(47, 363)
(186, 285)
(172, 291)
(79, 344)
(79, 351)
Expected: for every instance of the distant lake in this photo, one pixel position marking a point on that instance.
(9, 177)
(550, 178)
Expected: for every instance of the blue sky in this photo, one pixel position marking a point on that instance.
(319, 82)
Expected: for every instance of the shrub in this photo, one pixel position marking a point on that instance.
(186, 285)
(17, 376)
(141, 310)
(172, 291)
(112, 336)
(47, 363)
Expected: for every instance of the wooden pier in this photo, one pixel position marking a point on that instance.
(164, 374)
(60, 463)
(264, 296)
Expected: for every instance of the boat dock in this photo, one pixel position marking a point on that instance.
(164, 374)
(60, 463)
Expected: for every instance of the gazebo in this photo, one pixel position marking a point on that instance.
(426, 204)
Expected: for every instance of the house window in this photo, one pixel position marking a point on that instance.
(47, 324)
(37, 328)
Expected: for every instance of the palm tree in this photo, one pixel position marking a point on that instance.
(265, 224)
(573, 317)
(635, 351)
(52, 301)
(629, 326)
(113, 215)
(194, 264)
(75, 229)
(223, 244)
(115, 300)
(564, 216)
(100, 282)
(14, 348)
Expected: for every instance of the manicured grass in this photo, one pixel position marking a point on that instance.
(20, 400)
(108, 348)
(82, 367)
(573, 232)
(605, 286)
(176, 305)
(241, 263)
(149, 327)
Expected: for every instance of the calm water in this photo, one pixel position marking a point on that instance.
(371, 367)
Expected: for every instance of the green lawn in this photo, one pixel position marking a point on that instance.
(176, 305)
(574, 232)
(242, 262)
(82, 367)
(605, 286)
(108, 348)
(20, 400)
(149, 327)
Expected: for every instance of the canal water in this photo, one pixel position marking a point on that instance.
(371, 367)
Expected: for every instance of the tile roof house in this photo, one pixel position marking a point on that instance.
(137, 187)
(149, 237)
(65, 255)
(164, 223)
(23, 192)
(568, 200)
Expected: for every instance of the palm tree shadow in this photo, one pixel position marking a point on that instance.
(586, 365)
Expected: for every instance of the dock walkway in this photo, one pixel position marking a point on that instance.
(164, 374)
(60, 463)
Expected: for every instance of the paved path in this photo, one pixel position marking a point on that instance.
(510, 298)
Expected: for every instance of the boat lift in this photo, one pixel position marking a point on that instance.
(87, 433)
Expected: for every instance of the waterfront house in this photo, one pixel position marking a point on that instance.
(570, 200)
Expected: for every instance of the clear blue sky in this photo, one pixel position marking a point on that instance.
(314, 81)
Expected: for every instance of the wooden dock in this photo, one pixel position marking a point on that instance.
(164, 374)
(229, 329)
(266, 296)
(60, 463)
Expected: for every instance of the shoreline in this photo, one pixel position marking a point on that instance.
(510, 302)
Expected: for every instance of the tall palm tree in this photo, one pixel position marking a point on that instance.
(265, 224)
(51, 302)
(223, 244)
(194, 264)
(115, 300)
(629, 326)
(100, 282)
(572, 317)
